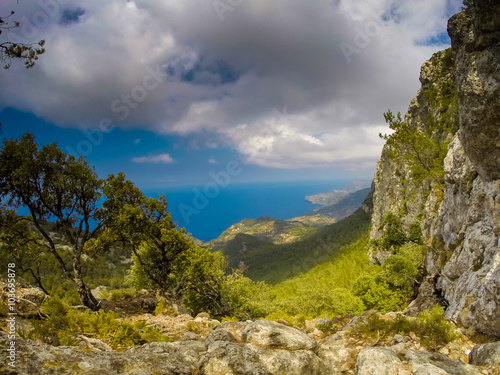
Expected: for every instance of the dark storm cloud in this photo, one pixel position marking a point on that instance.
(181, 67)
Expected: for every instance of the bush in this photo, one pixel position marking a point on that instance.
(120, 294)
(433, 329)
(163, 308)
(328, 328)
(394, 235)
(64, 324)
(247, 299)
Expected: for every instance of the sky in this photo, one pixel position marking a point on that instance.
(173, 92)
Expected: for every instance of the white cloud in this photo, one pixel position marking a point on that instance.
(212, 160)
(156, 159)
(225, 79)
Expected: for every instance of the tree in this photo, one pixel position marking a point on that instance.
(165, 259)
(419, 149)
(12, 50)
(20, 245)
(56, 186)
(146, 226)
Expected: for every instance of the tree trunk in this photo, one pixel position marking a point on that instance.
(86, 296)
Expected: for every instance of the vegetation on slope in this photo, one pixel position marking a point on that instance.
(295, 229)
(276, 263)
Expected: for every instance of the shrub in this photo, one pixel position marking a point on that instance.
(247, 299)
(328, 328)
(64, 324)
(120, 294)
(430, 326)
(434, 328)
(163, 308)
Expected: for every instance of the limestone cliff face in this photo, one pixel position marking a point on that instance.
(460, 217)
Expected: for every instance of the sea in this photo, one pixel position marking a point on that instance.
(206, 211)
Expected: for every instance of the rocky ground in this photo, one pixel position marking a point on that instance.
(202, 345)
(255, 347)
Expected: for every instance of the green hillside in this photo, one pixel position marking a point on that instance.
(266, 229)
(288, 231)
(275, 263)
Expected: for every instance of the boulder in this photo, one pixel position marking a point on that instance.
(269, 334)
(424, 363)
(379, 361)
(338, 353)
(159, 357)
(29, 298)
(230, 358)
(486, 354)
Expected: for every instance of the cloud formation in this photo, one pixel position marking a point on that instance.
(335, 65)
(156, 159)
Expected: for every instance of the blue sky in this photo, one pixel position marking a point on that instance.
(290, 91)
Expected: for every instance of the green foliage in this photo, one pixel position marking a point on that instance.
(297, 321)
(433, 329)
(11, 50)
(376, 294)
(164, 258)
(163, 308)
(390, 286)
(448, 60)
(64, 325)
(120, 294)
(328, 328)
(247, 299)
(415, 233)
(276, 263)
(326, 289)
(422, 151)
(204, 282)
(56, 186)
(193, 327)
(393, 233)
(394, 236)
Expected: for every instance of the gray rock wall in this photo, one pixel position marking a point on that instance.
(461, 225)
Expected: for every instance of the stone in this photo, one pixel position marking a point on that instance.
(379, 361)
(92, 343)
(423, 363)
(486, 354)
(235, 329)
(158, 357)
(338, 353)
(246, 359)
(398, 339)
(269, 334)
(29, 298)
(203, 315)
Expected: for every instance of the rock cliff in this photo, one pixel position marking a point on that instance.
(459, 212)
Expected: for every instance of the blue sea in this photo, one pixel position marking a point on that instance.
(206, 211)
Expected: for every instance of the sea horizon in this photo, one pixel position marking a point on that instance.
(206, 213)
